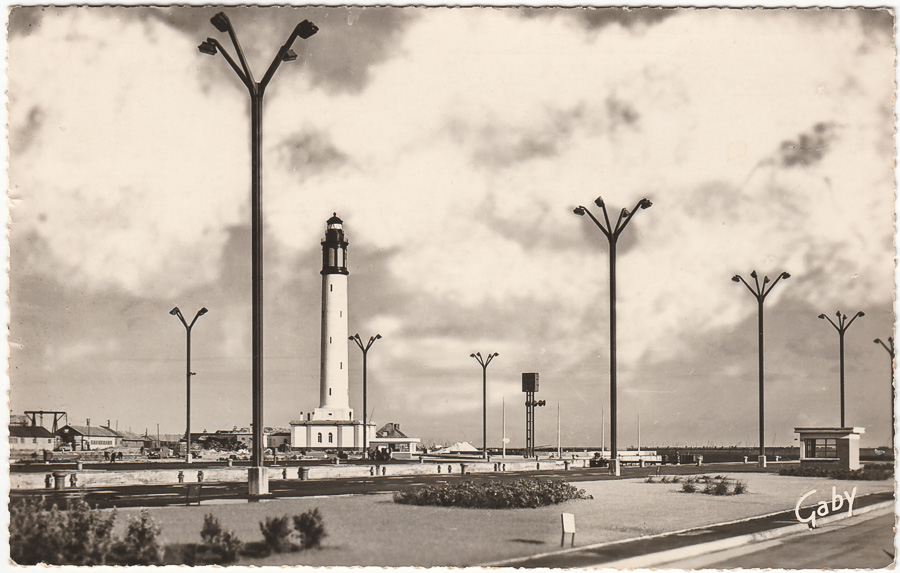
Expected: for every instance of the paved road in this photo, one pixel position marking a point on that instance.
(174, 494)
(861, 542)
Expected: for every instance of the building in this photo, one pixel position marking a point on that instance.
(834, 447)
(331, 426)
(89, 437)
(397, 444)
(24, 438)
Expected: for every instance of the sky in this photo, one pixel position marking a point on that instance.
(454, 144)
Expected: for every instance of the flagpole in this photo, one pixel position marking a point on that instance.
(504, 427)
(558, 434)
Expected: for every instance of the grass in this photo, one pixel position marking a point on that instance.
(373, 530)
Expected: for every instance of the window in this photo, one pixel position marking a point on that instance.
(319, 437)
(329, 391)
(342, 365)
(330, 437)
(330, 288)
(33, 440)
(329, 340)
(821, 448)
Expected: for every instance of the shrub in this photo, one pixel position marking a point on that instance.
(224, 545)
(141, 545)
(665, 479)
(276, 533)
(720, 487)
(311, 528)
(78, 535)
(870, 472)
(676, 479)
(740, 487)
(688, 486)
(649, 480)
(522, 493)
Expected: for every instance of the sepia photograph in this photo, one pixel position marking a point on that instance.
(472, 287)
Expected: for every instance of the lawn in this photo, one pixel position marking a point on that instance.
(373, 530)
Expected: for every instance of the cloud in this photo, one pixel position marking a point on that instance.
(454, 144)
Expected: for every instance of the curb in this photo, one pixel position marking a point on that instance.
(660, 559)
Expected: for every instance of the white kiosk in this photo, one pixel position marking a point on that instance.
(836, 447)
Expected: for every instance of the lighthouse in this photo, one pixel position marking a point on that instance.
(334, 380)
(331, 426)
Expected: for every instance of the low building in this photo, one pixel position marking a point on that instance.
(30, 439)
(89, 437)
(390, 439)
(835, 447)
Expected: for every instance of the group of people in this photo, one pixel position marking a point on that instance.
(112, 456)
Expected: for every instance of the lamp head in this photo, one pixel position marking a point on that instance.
(599, 202)
(765, 279)
(175, 311)
(785, 275)
(877, 341)
(860, 314)
(208, 47)
(646, 203)
(478, 354)
(822, 316)
(351, 338)
(289, 56)
(471, 356)
(377, 337)
(496, 354)
(626, 213)
(202, 311)
(753, 273)
(221, 22)
(579, 211)
(838, 314)
(736, 278)
(306, 29)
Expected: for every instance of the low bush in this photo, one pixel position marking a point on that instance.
(870, 472)
(739, 487)
(688, 486)
(224, 545)
(520, 493)
(276, 532)
(649, 480)
(311, 528)
(141, 545)
(77, 535)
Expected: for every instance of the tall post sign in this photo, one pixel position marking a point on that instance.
(530, 386)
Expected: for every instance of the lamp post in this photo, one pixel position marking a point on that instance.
(188, 327)
(890, 350)
(612, 235)
(760, 292)
(841, 326)
(484, 364)
(258, 479)
(365, 351)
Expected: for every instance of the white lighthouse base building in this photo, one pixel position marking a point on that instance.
(339, 435)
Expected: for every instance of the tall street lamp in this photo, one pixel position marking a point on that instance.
(890, 350)
(258, 478)
(365, 350)
(612, 235)
(760, 292)
(176, 312)
(841, 326)
(484, 362)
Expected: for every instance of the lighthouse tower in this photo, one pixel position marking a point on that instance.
(334, 384)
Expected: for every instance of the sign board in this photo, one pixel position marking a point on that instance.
(568, 527)
(529, 381)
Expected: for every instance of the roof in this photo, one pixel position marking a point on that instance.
(16, 431)
(92, 431)
(334, 220)
(390, 430)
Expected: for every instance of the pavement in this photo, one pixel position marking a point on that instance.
(660, 550)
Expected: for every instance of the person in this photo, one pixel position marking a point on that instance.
(106, 456)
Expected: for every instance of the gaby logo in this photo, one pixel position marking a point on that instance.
(823, 509)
